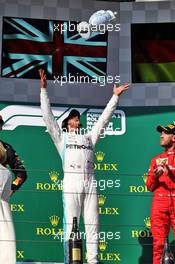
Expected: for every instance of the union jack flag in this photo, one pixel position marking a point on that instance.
(29, 44)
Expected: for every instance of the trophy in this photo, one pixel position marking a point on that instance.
(96, 21)
(167, 255)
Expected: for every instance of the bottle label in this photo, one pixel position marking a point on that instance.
(76, 254)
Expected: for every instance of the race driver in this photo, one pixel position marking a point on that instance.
(76, 151)
(14, 162)
(161, 181)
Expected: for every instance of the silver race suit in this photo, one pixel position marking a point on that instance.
(79, 190)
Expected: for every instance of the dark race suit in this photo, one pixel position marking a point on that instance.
(15, 165)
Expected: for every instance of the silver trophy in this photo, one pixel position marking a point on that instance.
(96, 21)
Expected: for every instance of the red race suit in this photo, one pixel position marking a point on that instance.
(163, 203)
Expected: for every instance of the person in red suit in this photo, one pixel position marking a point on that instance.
(161, 181)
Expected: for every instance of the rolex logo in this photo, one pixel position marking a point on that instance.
(101, 199)
(54, 219)
(145, 176)
(53, 176)
(147, 222)
(100, 156)
(102, 245)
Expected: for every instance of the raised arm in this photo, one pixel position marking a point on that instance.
(105, 117)
(51, 124)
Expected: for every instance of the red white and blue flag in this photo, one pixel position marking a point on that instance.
(31, 44)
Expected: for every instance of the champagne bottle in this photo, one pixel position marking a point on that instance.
(167, 255)
(75, 245)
